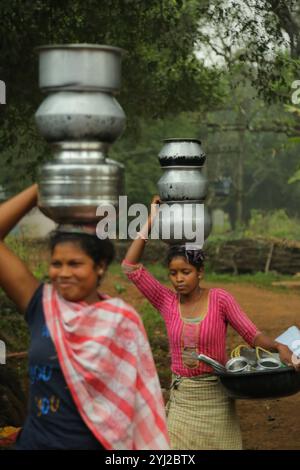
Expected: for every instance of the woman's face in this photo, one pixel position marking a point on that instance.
(183, 275)
(74, 273)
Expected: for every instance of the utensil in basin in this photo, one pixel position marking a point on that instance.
(217, 366)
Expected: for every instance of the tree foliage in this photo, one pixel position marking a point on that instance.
(168, 90)
(161, 74)
(262, 34)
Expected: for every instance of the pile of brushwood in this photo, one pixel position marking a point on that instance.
(245, 255)
(249, 255)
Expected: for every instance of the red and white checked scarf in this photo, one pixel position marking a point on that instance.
(107, 363)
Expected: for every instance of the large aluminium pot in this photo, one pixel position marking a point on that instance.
(179, 222)
(80, 67)
(76, 183)
(265, 384)
(186, 152)
(79, 116)
(182, 183)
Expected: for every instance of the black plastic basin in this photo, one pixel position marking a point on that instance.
(261, 384)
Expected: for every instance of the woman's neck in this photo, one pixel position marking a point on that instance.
(192, 296)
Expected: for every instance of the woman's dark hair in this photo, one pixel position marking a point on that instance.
(194, 257)
(94, 247)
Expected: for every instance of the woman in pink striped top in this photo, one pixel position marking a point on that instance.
(200, 415)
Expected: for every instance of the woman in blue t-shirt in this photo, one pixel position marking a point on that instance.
(88, 385)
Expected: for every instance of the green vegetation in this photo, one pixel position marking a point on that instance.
(172, 87)
(161, 75)
(273, 224)
(258, 279)
(156, 331)
(31, 253)
(13, 328)
(152, 320)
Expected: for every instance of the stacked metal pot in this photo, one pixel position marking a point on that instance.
(80, 118)
(182, 186)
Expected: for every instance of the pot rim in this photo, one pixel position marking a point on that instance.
(80, 145)
(182, 139)
(185, 201)
(183, 167)
(235, 360)
(271, 360)
(279, 370)
(81, 46)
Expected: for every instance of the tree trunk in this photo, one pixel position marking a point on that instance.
(240, 175)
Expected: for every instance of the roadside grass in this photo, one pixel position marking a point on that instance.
(258, 279)
(156, 332)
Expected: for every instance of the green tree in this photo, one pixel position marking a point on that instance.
(161, 74)
(264, 34)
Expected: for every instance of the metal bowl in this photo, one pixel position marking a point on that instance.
(268, 363)
(72, 192)
(264, 384)
(181, 152)
(237, 364)
(182, 183)
(75, 67)
(80, 116)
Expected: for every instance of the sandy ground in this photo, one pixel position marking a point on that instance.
(266, 424)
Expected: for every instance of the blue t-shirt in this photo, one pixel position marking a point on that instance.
(53, 421)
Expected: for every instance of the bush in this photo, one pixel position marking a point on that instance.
(273, 224)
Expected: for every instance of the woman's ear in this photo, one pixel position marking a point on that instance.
(201, 272)
(101, 268)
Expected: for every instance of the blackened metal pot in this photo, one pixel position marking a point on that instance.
(80, 116)
(186, 152)
(182, 183)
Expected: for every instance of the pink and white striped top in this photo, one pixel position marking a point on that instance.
(207, 336)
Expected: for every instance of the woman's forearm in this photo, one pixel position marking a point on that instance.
(286, 355)
(266, 342)
(136, 249)
(12, 211)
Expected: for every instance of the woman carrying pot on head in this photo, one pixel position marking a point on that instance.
(199, 413)
(93, 383)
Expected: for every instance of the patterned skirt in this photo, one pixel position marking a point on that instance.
(201, 416)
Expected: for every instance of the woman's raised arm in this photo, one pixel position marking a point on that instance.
(136, 249)
(15, 278)
(12, 211)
